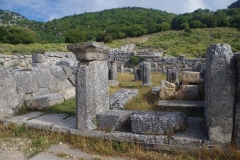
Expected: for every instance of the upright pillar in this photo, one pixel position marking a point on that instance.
(146, 73)
(91, 83)
(169, 75)
(237, 104)
(220, 92)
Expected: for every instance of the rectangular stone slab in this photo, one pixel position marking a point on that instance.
(113, 119)
(158, 123)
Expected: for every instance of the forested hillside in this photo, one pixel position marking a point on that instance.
(111, 24)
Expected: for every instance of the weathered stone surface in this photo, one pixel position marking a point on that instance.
(10, 96)
(63, 63)
(113, 71)
(236, 129)
(68, 71)
(38, 58)
(187, 92)
(113, 120)
(146, 74)
(156, 90)
(137, 74)
(91, 92)
(58, 72)
(69, 93)
(121, 97)
(158, 122)
(42, 91)
(113, 83)
(55, 84)
(174, 77)
(72, 79)
(220, 92)
(89, 51)
(43, 77)
(169, 75)
(47, 100)
(167, 90)
(179, 103)
(191, 77)
(26, 81)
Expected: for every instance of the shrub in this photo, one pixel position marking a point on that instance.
(134, 60)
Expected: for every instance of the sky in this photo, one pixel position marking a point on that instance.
(46, 10)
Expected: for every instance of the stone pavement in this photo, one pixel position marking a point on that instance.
(63, 152)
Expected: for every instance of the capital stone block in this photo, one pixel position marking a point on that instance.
(89, 51)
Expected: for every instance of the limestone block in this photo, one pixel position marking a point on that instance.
(69, 93)
(113, 120)
(58, 72)
(220, 92)
(38, 58)
(156, 90)
(47, 100)
(27, 81)
(191, 77)
(11, 97)
(91, 92)
(55, 84)
(113, 83)
(187, 92)
(167, 90)
(43, 77)
(68, 71)
(158, 122)
(42, 91)
(121, 97)
(89, 51)
(63, 63)
(72, 79)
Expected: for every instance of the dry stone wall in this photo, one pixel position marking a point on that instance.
(46, 59)
(35, 87)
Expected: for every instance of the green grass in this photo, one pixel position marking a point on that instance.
(192, 45)
(145, 100)
(29, 49)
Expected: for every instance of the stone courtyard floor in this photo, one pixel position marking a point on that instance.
(193, 137)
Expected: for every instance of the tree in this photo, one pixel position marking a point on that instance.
(197, 24)
(75, 36)
(235, 4)
(17, 35)
(164, 26)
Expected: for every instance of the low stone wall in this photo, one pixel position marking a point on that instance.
(49, 59)
(34, 87)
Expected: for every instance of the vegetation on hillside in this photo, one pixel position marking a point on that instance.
(120, 23)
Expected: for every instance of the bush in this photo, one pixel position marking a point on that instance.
(134, 60)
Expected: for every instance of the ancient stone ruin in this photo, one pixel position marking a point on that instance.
(43, 85)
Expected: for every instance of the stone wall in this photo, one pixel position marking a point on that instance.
(34, 87)
(49, 59)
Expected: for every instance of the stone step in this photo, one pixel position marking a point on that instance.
(179, 103)
(47, 100)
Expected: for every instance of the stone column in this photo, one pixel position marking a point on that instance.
(91, 83)
(114, 70)
(169, 75)
(220, 92)
(122, 68)
(174, 77)
(136, 74)
(237, 104)
(146, 73)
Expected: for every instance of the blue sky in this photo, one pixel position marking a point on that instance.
(45, 10)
